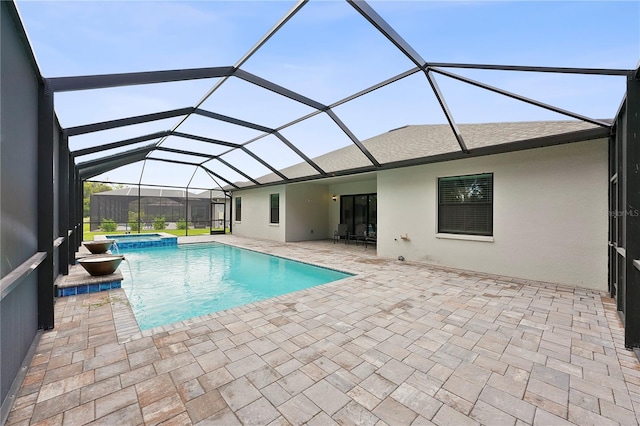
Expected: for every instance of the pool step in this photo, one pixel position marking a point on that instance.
(80, 282)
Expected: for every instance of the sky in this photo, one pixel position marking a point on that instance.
(326, 52)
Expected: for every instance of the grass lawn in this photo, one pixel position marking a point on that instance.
(88, 235)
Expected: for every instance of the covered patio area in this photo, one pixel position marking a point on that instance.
(398, 343)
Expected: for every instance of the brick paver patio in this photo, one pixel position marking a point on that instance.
(398, 344)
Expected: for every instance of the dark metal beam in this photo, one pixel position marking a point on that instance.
(212, 173)
(353, 138)
(167, 160)
(132, 141)
(63, 204)
(95, 170)
(387, 30)
(240, 172)
(90, 82)
(110, 182)
(72, 206)
(296, 121)
(212, 178)
(258, 127)
(300, 153)
(338, 103)
(181, 151)
(232, 120)
(79, 197)
(560, 70)
(112, 124)
(91, 168)
(630, 216)
(131, 152)
(376, 86)
(203, 139)
(46, 196)
(295, 9)
(231, 217)
(264, 163)
(266, 84)
(447, 112)
(521, 98)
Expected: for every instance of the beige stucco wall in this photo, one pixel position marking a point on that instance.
(550, 215)
(306, 207)
(256, 211)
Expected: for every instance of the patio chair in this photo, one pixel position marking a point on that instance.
(370, 239)
(341, 232)
(360, 233)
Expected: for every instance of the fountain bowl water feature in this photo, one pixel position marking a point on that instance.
(98, 246)
(103, 264)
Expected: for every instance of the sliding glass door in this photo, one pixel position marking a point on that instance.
(360, 209)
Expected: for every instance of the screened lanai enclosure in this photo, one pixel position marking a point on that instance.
(137, 208)
(312, 78)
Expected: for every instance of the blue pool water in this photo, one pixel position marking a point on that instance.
(176, 283)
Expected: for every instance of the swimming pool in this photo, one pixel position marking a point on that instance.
(175, 283)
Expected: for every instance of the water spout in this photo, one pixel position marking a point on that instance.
(131, 275)
(114, 245)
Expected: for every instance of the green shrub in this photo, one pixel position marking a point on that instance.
(182, 224)
(134, 225)
(108, 225)
(159, 223)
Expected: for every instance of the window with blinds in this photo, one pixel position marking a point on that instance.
(275, 208)
(238, 209)
(465, 204)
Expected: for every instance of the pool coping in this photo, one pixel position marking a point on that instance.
(331, 268)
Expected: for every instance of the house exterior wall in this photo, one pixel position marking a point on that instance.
(255, 214)
(306, 207)
(550, 215)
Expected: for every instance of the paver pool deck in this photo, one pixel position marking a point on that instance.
(397, 344)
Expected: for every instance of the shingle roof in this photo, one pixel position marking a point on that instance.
(423, 141)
